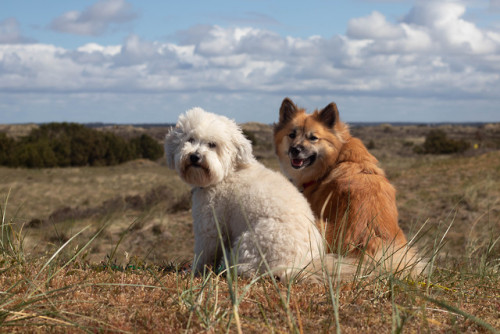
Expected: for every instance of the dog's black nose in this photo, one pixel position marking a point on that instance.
(195, 158)
(295, 150)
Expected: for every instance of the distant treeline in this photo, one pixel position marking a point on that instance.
(71, 144)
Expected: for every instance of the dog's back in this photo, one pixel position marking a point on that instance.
(263, 213)
(361, 212)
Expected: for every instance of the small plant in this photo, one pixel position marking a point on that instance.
(437, 142)
(387, 128)
(370, 145)
(408, 143)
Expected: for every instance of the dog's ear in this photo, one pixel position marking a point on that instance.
(171, 143)
(287, 111)
(244, 154)
(329, 115)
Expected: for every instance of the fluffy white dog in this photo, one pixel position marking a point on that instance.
(261, 216)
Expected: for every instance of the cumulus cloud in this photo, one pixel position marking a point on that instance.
(373, 26)
(10, 32)
(445, 23)
(96, 19)
(433, 52)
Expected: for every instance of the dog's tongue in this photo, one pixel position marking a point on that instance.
(297, 162)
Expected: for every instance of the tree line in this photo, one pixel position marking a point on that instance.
(72, 144)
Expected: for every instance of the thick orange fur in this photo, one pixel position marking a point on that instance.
(350, 195)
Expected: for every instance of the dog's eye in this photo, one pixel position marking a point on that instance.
(191, 140)
(212, 145)
(313, 138)
(292, 135)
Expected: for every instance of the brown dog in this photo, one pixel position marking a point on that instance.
(352, 199)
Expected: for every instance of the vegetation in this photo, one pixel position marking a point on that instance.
(104, 249)
(437, 142)
(63, 291)
(70, 144)
(250, 136)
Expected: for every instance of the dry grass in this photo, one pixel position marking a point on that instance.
(98, 249)
(90, 298)
(42, 191)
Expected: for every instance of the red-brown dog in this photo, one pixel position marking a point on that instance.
(350, 195)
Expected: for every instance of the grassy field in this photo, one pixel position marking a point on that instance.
(104, 249)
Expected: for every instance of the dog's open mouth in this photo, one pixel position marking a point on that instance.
(302, 163)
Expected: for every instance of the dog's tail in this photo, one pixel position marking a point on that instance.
(330, 267)
(402, 262)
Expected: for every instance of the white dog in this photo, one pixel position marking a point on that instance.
(261, 216)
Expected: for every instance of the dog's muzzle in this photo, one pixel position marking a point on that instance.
(300, 158)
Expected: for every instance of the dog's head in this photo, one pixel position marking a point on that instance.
(204, 148)
(307, 144)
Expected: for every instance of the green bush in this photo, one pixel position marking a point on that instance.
(35, 155)
(147, 148)
(250, 136)
(437, 142)
(6, 145)
(70, 144)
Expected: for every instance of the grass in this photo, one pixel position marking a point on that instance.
(120, 267)
(61, 293)
(85, 298)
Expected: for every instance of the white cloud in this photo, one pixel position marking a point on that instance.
(96, 48)
(373, 26)
(445, 24)
(96, 19)
(433, 53)
(400, 60)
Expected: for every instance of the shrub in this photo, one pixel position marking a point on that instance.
(250, 136)
(35, 155)
(408, 143)
(6, 145)
(387, 128)
(437, 142)
(71, 144)
(147, 148)
(118, 150)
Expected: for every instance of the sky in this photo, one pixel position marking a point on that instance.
(131, 61)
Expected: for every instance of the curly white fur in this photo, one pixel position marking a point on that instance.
(262, 217)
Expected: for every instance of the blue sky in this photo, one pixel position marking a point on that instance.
(148, 61)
